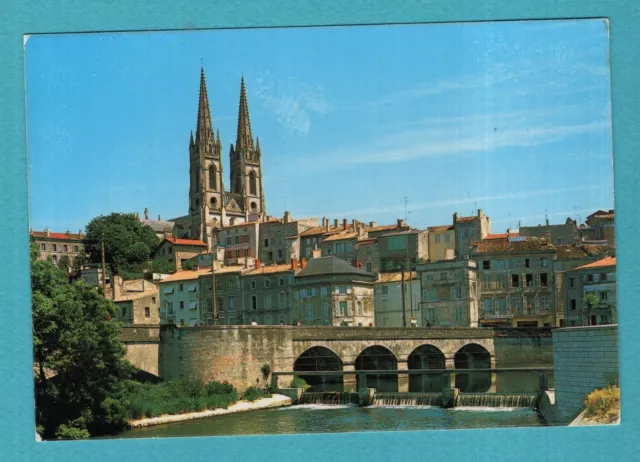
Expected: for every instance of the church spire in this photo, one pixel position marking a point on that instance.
(204, 130)
(244, 140)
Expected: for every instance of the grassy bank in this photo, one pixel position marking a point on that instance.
(603, 406)
(178, 396)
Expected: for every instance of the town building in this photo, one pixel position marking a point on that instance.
(330, 292)
(470, 229)
(442, 243)
(597, 278)
(603, 224)
(562, 234)
(268, 293)
(162, 228)
(138, 302)
(389, 308)
(449, 293)
(210, 205)
(176, 250)
(367, 255)
(228, 308)
(180, 300)
(239, 241)
(516, 281)
(58, 245)
(279, 238)
(93, 275)
(402, 250)
(311, 239)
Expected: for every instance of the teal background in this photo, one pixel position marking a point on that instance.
(16, 401)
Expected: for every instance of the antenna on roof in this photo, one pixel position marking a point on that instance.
(406, 201)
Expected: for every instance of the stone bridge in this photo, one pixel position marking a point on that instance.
(238, 353)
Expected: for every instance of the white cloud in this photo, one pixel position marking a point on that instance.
(293, 104)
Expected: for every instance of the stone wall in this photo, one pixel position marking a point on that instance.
(143, 346)
(585, 358)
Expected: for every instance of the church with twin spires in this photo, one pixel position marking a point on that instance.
(212, 206)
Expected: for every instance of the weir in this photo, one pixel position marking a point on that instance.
(407, 399)
(525, 400)
(329, 398)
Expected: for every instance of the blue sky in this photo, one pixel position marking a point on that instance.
(511, 117)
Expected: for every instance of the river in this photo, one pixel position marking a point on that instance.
(316, 418)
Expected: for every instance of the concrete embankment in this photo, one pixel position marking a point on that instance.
(582, 421)
(241, 406)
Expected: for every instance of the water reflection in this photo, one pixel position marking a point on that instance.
(339, 419)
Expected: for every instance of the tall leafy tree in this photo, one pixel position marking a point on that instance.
(80, 369)
(127, 241)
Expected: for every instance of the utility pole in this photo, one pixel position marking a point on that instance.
(404, 307)
(213, 275)
(104, 269)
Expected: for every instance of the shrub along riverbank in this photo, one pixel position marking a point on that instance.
(184, 395)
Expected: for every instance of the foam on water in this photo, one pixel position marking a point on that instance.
(317, 407)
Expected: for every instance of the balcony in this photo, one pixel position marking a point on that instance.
(498, 315)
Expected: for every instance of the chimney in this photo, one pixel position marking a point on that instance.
(287, 217)
(257, 264)
(68, 233)
(294, 264)
(335, 223)
(400, 223)
(372, 224)
(508, 231)
(46, 230)
(345, 224)
(303, 263)
(455, 217)
(80, 233)
(480, 214)
(326, 226)
(316, 253)
(324, 221)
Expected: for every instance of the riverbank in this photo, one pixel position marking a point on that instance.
(274, 401)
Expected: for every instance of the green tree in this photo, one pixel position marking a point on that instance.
(64, 263)
(78, 263)
(126, 240)
(590, 300)
(188, 265)
(34, 251)
(79, 358)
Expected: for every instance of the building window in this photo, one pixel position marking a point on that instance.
(75, 248)
(65, 248)
(571, 282)
(147, 312)
(487, 305)
(323, 291)
(232, 303)
(603, 295)
(590, 278)
(572, 304)
(252, 284)
(342, 309)
(181, 305)
(309, 311)
(252, 183)
(384, 290)
(603, 277)
(368, 251)
(236, 240)
(124, 311)
(266, 242)
(267, 283)
(254, 302)
(342, 290)
(170, 249)
(281, 282)
(515, 280)
(55, 259)
(180, 288)
(396, 243)
(544, 279)
(431, 315)
(359, 308)
(527, 263)
(153, 300)
(446, 238)
(437, 239)
(325, 309)
(558, 241)
(43, 247)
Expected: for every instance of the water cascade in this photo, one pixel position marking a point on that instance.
(407, 399)
(496, 400)
(333, 398)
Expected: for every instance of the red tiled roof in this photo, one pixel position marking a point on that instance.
(501, 236)
(503, 245)
(436, 229)
(340, 236)
(318, 230)
(463, 219)
(606, 261)
(61, 236)
(192, 242)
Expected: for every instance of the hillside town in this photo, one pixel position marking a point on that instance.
(235, 264)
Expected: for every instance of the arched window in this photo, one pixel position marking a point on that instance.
(252, 183)
(212, 178)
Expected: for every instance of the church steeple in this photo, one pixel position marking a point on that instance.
(204, 128)
(244, 140)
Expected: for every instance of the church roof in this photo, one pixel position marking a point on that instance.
(188, 242)
(244, 140)
(159, 225)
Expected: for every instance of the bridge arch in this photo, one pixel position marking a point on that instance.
(319, 358)
(377, 358)
(473, 356)
(426, 357)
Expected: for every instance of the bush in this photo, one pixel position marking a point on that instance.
(65, 432)
(178, 396)
(266, 370)
(603, 405)
(253, 394)
(299, 382)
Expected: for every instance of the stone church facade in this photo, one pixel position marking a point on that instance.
(211, 206)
